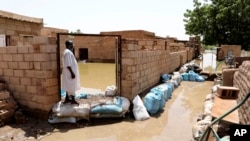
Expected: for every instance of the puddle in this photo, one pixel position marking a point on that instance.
(173, 124)
(97, 75)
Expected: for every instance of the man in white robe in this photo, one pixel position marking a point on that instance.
(70, 73)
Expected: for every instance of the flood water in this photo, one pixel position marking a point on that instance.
(97, 75)
(173, 124)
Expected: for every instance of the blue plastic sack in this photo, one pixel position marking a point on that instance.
(151, 103)
(192, 76)
(81, 96)
(165, 77)
(63, 93)
(199, 79)
(185, 76)
(162, 88)
(170, 90)
(112, 108)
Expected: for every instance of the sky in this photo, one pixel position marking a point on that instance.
(163, 17)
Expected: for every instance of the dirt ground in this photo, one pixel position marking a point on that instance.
(34, 129)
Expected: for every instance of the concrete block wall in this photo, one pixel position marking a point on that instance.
(99, 47)
(242, 81)
(142, 65)
(179, 58)
(31, 74)
(20, 32)
(190, 53)
(236, 50)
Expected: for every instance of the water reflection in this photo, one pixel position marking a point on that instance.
(97, 75)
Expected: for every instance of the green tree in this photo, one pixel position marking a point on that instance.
(220, 21)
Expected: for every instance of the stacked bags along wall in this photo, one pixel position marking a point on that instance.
(155, 99)
(192, 76)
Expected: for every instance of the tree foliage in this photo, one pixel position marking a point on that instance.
(220, 22)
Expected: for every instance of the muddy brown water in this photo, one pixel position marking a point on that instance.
(174, 123)
(97, 75)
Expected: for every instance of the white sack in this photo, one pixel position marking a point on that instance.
(71, 110)
(139, 110)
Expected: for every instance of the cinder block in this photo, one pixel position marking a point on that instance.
(53, 57)
(41, 57)
(20, 88)
(128, 61)
(35, 48)
(227, 76)
(7, 57)
(11, 49)
(17, 57)
(25, 65)
(46, 66)
(23, 49)
(31, 89)
(8, 72)
(12, 65)
(18, 73)
(29, 73)
(14, 80)
(4, 65)
(25, 81)
(43, 74)
(227, 92)
(37, 65)
(42, 40)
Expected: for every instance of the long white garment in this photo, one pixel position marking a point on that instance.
(69, 84)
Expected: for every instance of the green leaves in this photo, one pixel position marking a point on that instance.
(220, 21)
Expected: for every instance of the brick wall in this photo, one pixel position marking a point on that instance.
(31, 74)
(20, 32)
(236, 50)
(143, 62)
(242, 81)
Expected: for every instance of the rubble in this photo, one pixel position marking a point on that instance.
(7, 105)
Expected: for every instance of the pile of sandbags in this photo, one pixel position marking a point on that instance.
(90, 107)
(192, 76)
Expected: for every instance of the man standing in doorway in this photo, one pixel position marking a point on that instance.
(70, 73)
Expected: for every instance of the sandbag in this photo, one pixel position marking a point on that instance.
(199, 128)
(177, 77)
(125, 109)
(110, 90)
(112, 108)
(152, 102)
(165, 77)
(55, 119)
(139, 110)
(199, 78)
(71, 110)
(185, 76)
(192, 76)
(170, 90)
(125, 104)
(174, 83)
(163, 89)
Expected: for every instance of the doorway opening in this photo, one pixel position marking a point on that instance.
(98, 56)
(83, 54)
